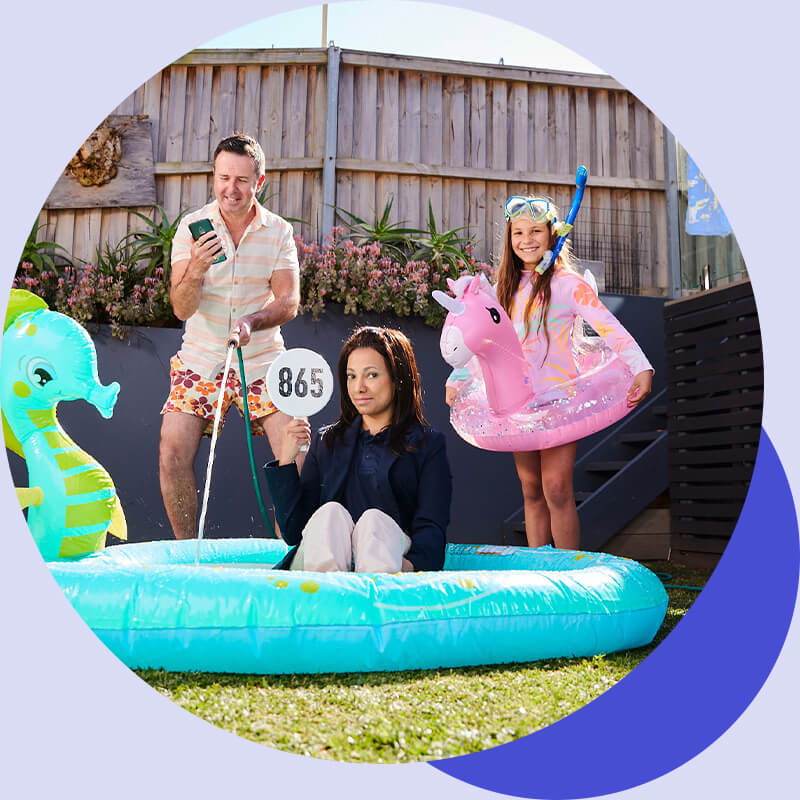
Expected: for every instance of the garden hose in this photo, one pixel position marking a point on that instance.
(253, 470)
(665, 576)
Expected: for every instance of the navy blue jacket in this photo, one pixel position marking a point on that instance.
(415, 490)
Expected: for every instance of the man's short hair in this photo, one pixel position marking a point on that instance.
(243, 145)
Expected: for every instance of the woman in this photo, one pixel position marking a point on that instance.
(375, 488)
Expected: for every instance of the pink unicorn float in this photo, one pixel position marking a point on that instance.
(498, 407)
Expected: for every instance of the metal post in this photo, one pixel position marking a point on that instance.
(673, 223)
(331, 126)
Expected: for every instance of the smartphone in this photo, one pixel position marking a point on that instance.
(197, 229)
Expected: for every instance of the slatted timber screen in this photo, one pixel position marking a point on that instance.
(462, 136)
(715, 381)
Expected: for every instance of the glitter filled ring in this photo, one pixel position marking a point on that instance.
(497, 407)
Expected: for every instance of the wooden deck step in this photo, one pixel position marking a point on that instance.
(643, 437)
(605, 466)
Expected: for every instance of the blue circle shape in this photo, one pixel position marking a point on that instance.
(690, 689)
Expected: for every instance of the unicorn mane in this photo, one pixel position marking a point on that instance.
(460, 285)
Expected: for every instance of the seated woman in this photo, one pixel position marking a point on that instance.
(374, 491)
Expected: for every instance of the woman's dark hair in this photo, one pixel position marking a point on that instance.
(397, 354)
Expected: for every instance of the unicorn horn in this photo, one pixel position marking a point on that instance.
(450, 303)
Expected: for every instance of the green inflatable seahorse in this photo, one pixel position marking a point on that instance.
(48, 357)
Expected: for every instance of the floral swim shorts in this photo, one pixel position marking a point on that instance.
(192, 394)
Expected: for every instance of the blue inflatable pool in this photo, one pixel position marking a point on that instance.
(153, 607)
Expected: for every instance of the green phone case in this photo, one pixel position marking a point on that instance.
(201, 226)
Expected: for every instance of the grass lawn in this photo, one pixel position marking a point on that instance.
(414, 715)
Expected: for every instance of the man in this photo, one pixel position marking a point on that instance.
(245, 298)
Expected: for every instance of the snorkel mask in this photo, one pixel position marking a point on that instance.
(538, 208)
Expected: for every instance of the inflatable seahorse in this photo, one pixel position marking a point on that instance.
(48, 357)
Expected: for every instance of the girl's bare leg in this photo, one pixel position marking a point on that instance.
(537, 516)
(556, 470)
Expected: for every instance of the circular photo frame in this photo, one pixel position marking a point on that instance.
(678, 702)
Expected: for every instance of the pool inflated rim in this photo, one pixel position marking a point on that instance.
(155, 608)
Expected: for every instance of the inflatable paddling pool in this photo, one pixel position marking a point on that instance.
(153, 607)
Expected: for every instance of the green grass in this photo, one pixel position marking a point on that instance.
(415, 715)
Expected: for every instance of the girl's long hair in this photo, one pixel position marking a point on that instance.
(397, 354)
(509, 275)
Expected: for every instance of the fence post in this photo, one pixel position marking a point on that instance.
(673, 223)
(331, 126)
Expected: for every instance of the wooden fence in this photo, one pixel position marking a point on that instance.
(462, 136)
(715, 380)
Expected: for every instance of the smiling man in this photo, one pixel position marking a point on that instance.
(240, 281)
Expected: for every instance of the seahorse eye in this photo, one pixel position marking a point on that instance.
(40, 372)
(42, 376)
(494, 314)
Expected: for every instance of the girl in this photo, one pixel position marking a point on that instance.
(374, 491)
(544, 304)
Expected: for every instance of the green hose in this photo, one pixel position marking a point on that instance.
(270, 529)
(665, 576)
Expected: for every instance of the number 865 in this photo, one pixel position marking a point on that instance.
(287, 382)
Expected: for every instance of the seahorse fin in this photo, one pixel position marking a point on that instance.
(118, 526)
(20, 302)
(31, 496)
(12, 443)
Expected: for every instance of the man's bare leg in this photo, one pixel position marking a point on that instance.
(273, 426)
(180, 439)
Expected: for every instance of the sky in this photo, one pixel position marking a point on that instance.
(409, 28)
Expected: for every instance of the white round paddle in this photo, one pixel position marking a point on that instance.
(300, 383)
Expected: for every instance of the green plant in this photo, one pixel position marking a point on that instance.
(396, 241)
(365, 277)
(111, 292)
(443, 249)
(263, 198)
(128, 284)
(154, 243)
(36, 253)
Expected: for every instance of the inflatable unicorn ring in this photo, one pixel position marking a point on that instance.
(498, 407)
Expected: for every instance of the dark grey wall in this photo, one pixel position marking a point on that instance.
(486, 489)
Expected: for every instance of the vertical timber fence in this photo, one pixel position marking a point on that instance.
(353, 129)
(715, 387)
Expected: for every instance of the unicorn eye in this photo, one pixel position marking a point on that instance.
(494, 314)
(40, 372)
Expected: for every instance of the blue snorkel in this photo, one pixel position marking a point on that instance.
(580, 184)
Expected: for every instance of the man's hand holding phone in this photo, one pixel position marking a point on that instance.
(207, 248)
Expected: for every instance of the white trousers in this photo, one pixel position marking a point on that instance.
(333, 543)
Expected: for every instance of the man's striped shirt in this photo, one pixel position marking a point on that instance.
(237, 286)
